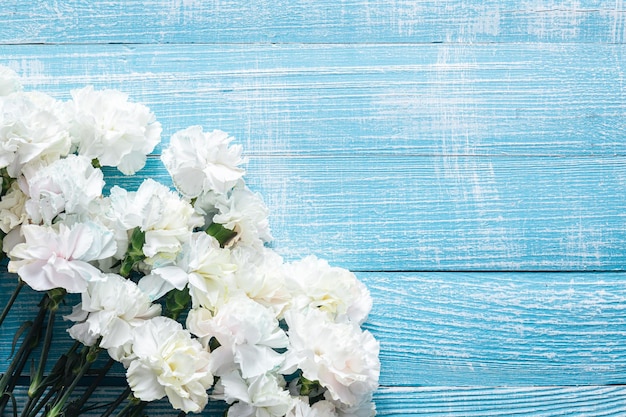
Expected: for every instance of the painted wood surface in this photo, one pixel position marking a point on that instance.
(466, 158)
(474, 329)
(549, 401)
(359, 99)
(323, 21)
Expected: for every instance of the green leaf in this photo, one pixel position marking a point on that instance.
(177, 301)
(6, 181)
(55, 298)
(309, 388)
(222, 234)
(134, 254)
(213, 344)
(26, 325)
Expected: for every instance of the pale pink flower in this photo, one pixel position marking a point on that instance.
(59, 257)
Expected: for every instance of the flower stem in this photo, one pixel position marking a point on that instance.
(133, 408)
(7, 308)
(90, 356)
(35, 385)
(38, 386)
(44, 401)
(75, 408)
(52, 381)
(124, 395)
(13, 372)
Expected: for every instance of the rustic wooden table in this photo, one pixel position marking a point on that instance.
(467, 159)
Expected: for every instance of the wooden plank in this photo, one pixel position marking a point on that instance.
(496, 329)
(105, 395)
(605, 401)
(502, 401)
(395, 213)
(276, 21)
(472, 329)
(493, 99)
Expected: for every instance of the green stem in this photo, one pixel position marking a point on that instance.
(52, 380)
(37, 388)
(35, 384)
(136, 409)
(74, 409)
(57, 408)
(124, 395)
(35, 411)
(6, 309)
(13, 372)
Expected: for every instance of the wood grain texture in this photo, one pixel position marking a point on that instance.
(279, 21)
(392, 137)
(499, 329)
(395, 213)
(506, 401)
(471, 329)
(361, 99)
(550, 401)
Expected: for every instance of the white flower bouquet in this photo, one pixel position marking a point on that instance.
(179, 285)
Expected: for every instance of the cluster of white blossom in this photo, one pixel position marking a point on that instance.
(270, 338)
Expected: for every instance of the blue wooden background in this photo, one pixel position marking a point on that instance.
(466, 158)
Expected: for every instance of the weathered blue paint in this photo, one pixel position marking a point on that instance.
(322, 21)
(468, 158)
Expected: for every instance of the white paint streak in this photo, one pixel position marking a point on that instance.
(30, 71)
(618, 30)
(553, 20)
(488, 23)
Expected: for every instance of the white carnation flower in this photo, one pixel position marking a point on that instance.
(166, 219)
(12, 208)
(202, 264)
(12, 239)
(301, 408)
(247, 332)
(201, 162)
(340, 356)
(111, 309)
(260, 275)
(52, 257)
(206, 205)
(336, 291)
(9, 81)
(365, 407)
(30, 131)
(260, 396)
(167, 361)
(71, 185)
(109, 128)
(244, 213)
